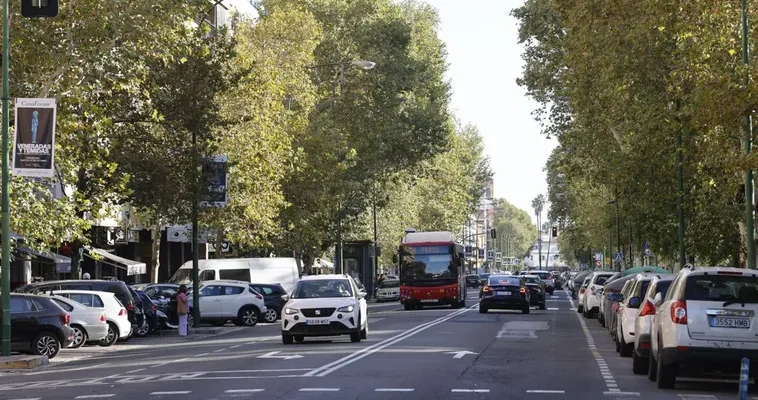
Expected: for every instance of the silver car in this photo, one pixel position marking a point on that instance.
(89, 323)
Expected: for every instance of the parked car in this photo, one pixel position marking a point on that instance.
(547, 279)
(161, 293)
(591, 300)
(149, 310)
(610, 288)
(473, 281)
(273, 270)
(116, 315)
(88, 323)
(274, 298)
(505, 292)
(38, 325)
(221, 301)
(707, 321)
(629, 308)
(575, 282)
(118, 288)
(658, 287)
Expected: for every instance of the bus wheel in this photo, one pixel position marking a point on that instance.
(419, 306)
(407, 307)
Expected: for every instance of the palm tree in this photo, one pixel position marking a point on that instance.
(538, 204)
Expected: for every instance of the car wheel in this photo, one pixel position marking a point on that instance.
(579, 309)
(111, 337)
(355, 337)
(80, 337)
(364, 332)
(287, 338)
(46, 344)
(407, 307)
(271, 315)
(639, 364)
(526, 310)
(624, 348)
(143, 330)
(190, 320)
(248, 316)
(542, 306)
(652, 368)
(482, 310)
(299, 338)
(665, 374)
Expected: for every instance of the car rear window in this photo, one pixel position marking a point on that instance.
(504, 280)
(600, 280)
(389, 284)
(63, 305)
(543, 275)
(722, 288)
(662, 287)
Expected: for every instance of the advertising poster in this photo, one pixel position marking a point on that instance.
(34, 141)
(215, 177)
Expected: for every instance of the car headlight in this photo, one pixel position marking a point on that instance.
(347, 309)
(290, 311)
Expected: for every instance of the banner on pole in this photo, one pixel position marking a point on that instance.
(215, 179)
(34, 139)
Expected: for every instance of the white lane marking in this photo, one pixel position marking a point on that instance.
(367, 351)
(393, 390)
(547, 391)
(619, 393)
(697, 396)
(470, 391)
(219, 350)
(610, 382)
(95, 396)
(231, 391)
(135, 370)
(553, 309)
(235, 346)
(202, 355)
(320, 390)
(373, 320)
(33, 398)
(169, 393)
(554, 297)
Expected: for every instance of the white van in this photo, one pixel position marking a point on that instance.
(279, 270)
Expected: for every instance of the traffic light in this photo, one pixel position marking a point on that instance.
(39, 8)
(555, 231)
(493, 233)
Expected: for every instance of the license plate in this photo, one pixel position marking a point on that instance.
(322, 321)
(725, 322)
(428, 301)
(502, 293)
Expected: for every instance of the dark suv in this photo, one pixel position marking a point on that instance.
(38, 325)
(119, 288)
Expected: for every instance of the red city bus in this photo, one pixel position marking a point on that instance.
(431, 270)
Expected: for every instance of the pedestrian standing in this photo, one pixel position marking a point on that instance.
(182, 309)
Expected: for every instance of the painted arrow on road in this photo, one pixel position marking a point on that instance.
(461, 354)
(273, 354)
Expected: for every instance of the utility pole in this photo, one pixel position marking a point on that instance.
(195, 250)
(6, 218)
(748, 143)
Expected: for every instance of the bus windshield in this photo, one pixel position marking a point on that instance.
(427, 263)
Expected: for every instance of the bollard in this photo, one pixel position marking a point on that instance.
(744, 378)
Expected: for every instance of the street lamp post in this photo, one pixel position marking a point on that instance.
(618, 228)
(6, 218)
(747, 127)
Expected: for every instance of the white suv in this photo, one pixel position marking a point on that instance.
(591, 299)
(225, 300)
(325, 305)
(707, 320)
(629, 308)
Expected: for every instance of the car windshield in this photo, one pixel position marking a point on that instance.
(532, 279)
(600, 280)
(427, 262)
(389, 284)
(543, 275)
(322, 288)
(182, 276)
(738, 288)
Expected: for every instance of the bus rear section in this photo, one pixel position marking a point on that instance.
(431, 275)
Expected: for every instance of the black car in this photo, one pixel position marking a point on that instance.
(274, 296)
(38, 325)
(151, 324)
(536, 290)
(473, 281)
(504, 292)
(119, 288)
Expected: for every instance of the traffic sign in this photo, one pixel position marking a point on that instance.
(598, 256)
(618, 257)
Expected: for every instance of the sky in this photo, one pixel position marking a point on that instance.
(485, 60)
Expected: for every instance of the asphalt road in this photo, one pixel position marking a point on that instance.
(427, 354)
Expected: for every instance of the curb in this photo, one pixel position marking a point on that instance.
(22, 362)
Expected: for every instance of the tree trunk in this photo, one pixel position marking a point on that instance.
(743, 244)
(219, 244)
(155, 254)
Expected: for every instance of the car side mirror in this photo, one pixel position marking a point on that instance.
(658, 299)
(634, 302)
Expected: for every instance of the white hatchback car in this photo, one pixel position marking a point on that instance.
(88, 323)
(325, 305)
(706, 321)
(116, 315)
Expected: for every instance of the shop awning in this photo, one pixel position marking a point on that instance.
(132, 267)
(62, 263)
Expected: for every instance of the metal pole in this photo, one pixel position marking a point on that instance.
(6, 220)
(610, 247)
(376, 241)
(195, 252)
(747, 126)
(539, 237)
(338, 252)
(476, 244)
(680, 201)
(744, 378)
